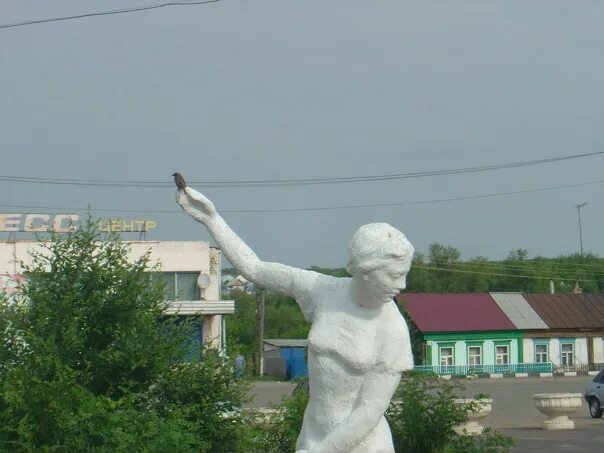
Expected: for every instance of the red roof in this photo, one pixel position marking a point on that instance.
(455, 312)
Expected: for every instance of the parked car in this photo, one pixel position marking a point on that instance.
(594, 395)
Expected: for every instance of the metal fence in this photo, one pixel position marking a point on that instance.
(580, 367)
(465, 370)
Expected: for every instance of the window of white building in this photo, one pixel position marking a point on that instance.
(541, 353)
(179, 285)
(567, 354)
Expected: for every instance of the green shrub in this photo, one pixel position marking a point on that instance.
(279, 432)
(422, 416)
(424, 412)
(91, 363)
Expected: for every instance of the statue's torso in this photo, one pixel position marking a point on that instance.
(347, 344)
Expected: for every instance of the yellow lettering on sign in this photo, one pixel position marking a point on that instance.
(9, 222)
(125, 226)
(128, 226)
(65, 223)
(33, 226)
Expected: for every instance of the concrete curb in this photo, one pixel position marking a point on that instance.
(519, 375)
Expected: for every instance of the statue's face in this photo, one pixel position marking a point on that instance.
(386, 282)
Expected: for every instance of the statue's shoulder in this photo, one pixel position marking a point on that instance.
(396, 345)
(317, 292)
(395, 320)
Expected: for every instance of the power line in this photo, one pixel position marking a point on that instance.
(107, 13)
(534, 277)
(408, 203)
(546, 268)
(324, 208)
(290, 182)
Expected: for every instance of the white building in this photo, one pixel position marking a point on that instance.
(190, 269)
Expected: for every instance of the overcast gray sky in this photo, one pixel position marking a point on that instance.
(267, 89)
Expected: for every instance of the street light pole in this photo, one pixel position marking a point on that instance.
(579, 206)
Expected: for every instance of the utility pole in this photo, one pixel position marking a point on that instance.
(588, 338)
(579, 206)
(260, 293)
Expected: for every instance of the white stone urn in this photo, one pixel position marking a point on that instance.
(472, 427)
(557, 407)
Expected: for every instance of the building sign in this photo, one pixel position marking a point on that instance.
(65, 223)
(123, 225)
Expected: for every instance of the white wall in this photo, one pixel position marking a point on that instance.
(554, 351)
(12, 253)
(581, 356)
(580, 350)
(173, 256)
(598, 349)
(212, 330)
(528, 350)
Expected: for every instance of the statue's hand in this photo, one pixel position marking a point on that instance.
(196, 205)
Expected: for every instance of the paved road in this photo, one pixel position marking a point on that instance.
(513, 403)
(267, 393)
(513, 412)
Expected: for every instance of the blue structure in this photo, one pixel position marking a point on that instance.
(285, 358)
(295, 363)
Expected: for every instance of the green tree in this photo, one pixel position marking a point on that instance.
(420, 278)
(443, 254)
(94, 365)
(442, 264)
(241, 326)
(284, 319)
(518, 255)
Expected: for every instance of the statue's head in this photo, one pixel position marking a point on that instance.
(380, 257)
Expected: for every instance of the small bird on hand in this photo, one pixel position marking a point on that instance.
(180, 181)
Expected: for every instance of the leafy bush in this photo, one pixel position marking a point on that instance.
(421, 417)
(279, 432)
(90, 362)
(424, 412)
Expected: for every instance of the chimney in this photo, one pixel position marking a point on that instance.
(577, 289)
(551, 287)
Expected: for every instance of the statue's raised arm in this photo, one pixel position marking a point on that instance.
(272, 276)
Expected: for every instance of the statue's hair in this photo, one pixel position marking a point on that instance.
(375, 245)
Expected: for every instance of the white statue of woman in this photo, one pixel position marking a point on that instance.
(358, 343)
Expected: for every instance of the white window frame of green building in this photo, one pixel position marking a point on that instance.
(449, 357)
(502, 358)
(541, 351)
(474, 354)
(567, 353)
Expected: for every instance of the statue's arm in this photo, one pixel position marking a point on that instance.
(371, 404)
(272, 276)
